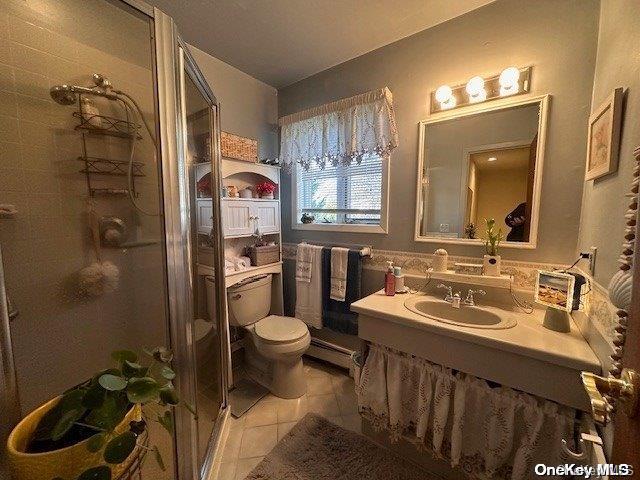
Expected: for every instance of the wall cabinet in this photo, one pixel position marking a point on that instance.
(241, 217)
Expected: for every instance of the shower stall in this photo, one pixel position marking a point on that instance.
(104, 116)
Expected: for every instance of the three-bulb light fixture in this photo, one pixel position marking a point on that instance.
(511, 81)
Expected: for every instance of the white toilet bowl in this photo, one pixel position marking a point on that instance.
(279, 341)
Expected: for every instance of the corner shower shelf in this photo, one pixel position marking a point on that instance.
(110, 126)
(107, 166)
(110, 192)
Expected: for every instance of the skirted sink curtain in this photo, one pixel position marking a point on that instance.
(490, 433)
(340, 132)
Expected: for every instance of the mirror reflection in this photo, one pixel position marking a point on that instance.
(478, 167)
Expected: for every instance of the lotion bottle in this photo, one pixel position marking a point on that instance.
(389, 281)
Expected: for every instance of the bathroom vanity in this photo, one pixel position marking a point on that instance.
(517, 351)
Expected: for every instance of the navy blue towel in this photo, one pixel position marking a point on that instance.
(336, 315)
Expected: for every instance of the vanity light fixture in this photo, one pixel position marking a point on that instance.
(511, 81)
(491, 159)
(444, 95)
(475, 89)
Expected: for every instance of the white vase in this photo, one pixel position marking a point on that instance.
(620, 289)
(491, 265)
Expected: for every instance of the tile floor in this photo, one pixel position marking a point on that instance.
(330, 392)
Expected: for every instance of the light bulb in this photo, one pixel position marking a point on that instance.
(443, 93)
(491, 159)
(475, 86)
(509, 81)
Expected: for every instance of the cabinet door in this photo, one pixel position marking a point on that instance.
(238, 217)
(204, 214)
(268, 216)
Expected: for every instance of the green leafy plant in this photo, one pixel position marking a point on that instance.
(493, 239)
(92, 410)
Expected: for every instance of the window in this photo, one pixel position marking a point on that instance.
(343, 198)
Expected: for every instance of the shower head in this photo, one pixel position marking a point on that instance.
(68, 94)
(63, 94)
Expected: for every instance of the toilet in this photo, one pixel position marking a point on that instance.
(280, 341)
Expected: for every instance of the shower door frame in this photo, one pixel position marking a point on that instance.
(172, 62)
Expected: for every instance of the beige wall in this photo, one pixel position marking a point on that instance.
(557, 38)
(498, 193)
(617, 65)
(249, 107)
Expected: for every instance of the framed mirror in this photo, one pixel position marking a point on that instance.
(481, 164)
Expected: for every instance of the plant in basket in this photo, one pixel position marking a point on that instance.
(266, 189)
(97, 429)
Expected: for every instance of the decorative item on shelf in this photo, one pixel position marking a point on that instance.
(238, 148)
(113, 231)
(263, 254)
(468, 268)
(491, 261)
(246, 192)
(307, 218)
(274, 162)
(98, 429)
(204, 186)
(440, 260)
(223, 191)
(604, 137)
(232, 191)
(511, 81)
(470, 231)
(266, 189)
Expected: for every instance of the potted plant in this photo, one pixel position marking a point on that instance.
(96, 430)
(491, 261)
(306, 218)
(266, 189)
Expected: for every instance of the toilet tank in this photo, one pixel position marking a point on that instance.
(249, 301)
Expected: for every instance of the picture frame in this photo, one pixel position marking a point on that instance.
(555, 290)
(603, 139)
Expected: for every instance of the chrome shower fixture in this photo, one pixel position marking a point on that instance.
(68, 94)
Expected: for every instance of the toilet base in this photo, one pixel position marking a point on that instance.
(288, 380)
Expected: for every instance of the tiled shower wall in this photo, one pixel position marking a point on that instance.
(62, 337)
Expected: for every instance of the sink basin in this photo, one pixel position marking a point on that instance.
(465, 316)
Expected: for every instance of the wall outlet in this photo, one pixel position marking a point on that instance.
(592, 260)
(444, 228)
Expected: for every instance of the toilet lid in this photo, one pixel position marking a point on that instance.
(280, 329)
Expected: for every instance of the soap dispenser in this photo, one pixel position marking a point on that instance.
(389, 281)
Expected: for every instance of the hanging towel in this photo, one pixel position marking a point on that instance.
(338, 273)
(336, 315)
(304, 254)
(309, 293)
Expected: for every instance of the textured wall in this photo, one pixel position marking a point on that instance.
(248, 106)
(617, 65)
(557, 38)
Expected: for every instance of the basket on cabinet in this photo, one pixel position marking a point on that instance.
(264, 255)
(239, 148)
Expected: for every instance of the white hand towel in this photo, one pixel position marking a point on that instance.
(339, 258)
(304, 254)
(309, 293)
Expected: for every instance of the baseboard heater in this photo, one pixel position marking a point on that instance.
(330, 352)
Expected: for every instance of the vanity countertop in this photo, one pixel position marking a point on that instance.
(528, 337)
(527, 356)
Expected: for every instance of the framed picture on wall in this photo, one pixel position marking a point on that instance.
(604, 137)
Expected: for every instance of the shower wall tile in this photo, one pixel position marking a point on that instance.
(29, 59)
(7, 78)
(32, 84)
(26, 33)
(8, 104)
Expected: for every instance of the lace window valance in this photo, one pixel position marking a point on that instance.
(340, 132)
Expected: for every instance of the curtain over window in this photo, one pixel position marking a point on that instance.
(340, 132)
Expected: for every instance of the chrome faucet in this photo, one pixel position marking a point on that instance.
(450, 297)
(469, 300)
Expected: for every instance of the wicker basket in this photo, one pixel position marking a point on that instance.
(264, 255)
(239, 148)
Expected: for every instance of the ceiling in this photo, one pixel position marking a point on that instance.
(283, 41)
(505, 159)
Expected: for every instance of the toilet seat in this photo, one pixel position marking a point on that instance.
(277, 329)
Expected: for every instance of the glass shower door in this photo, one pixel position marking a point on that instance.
(208, 326)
